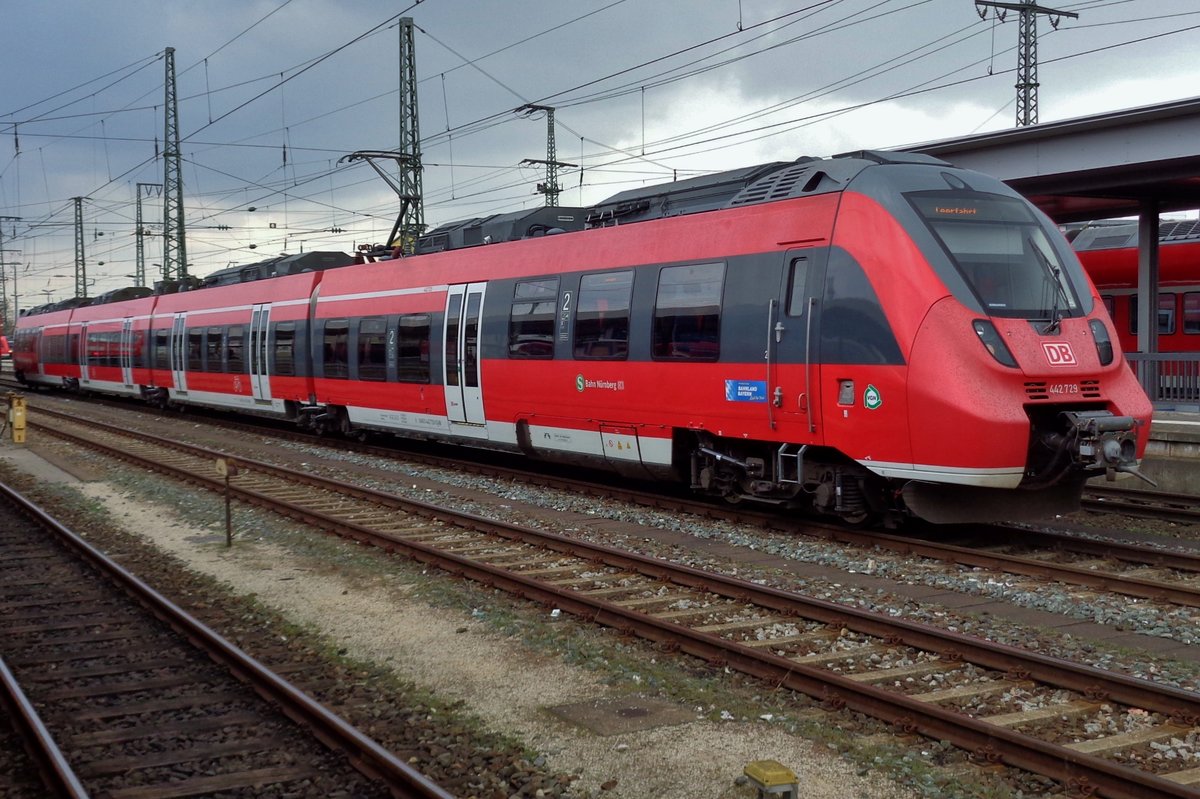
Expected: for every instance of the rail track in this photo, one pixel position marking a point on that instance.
(1090, 729)
(117, 692)
(1157, 573)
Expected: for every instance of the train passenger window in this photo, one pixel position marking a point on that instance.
(687, 312)
(1191, 312)
(1166, 314)
(602, 316)
(412, 349)
(1110, 305)
(235, 350)
(372, 350)
(336, 348)
(796, 280)
(195, 350)
(531, 323)
(162, 349)
(212, 350)
(285, 349)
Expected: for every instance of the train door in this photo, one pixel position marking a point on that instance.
(84, 350)
(792, 346)
(260, 376)
(125, 352)
(464, 392)
(179, 352)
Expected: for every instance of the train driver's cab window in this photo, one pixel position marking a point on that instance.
(1166, 314)
(687, 312)
(1110, 305)
(602, 318)
(531, 324)
(1191, 313)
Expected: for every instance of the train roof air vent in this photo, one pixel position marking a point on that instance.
(799, 178)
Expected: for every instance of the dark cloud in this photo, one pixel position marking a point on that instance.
(644, 89)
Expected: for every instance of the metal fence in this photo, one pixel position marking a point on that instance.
(1172, 379)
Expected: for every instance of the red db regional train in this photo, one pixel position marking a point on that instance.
(1109, 254)
(867, 336)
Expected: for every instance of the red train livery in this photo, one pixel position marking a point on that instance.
(875, 335)
(1109, 254)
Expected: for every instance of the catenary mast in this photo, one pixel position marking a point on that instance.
(1027, 58)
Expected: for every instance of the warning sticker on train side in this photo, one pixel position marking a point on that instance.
(745, 390)
(872, 399)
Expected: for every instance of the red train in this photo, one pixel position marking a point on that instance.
(875, 335)
(1109, 254)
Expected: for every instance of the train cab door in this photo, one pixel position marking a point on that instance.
(179, 352)
(84, 351)
(125, 352)
(464, 391)
(260, 376)
(793, 368)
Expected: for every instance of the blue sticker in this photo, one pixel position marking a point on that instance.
(745, 390)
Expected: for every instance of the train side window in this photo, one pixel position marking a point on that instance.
(602, 316)
(687, 312)
(1191, 313)
(1166, 314)
(212, 350)
(284, 349)
(235, 350)
(796, 282)
(412, 349)
(162, 351)
(336, 348)
(372, 349)
(531, 322)
(195, 349)
(1110, 305)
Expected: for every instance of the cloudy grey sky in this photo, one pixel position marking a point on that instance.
(274, 92)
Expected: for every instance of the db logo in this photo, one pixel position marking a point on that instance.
(1058, 353)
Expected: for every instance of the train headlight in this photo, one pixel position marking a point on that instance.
(993, 343)
(1104, 347)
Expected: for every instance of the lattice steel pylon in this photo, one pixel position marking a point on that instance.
(80, 261)
(139, 267)
(550, 188)
(174, 240)
(1027, 58)
(412, 220)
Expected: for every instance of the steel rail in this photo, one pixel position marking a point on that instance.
(403, 780)
(57, 774)
(979, 736)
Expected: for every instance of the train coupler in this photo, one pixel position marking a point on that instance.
(1102, 441)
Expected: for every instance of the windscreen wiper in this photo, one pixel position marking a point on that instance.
(1054, 274)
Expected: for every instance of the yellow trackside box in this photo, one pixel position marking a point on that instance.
(16, 417)
(772, 779)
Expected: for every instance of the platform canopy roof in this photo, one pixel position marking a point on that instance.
(1095, 167)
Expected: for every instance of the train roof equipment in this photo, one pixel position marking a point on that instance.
(543, 221)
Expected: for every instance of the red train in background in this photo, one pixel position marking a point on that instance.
(867, 336)
(1109, 254)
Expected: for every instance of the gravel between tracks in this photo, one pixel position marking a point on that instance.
(498, 679)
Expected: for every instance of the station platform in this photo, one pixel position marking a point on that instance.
(1172, 456)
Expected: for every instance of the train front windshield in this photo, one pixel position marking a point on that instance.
(1001, 252)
